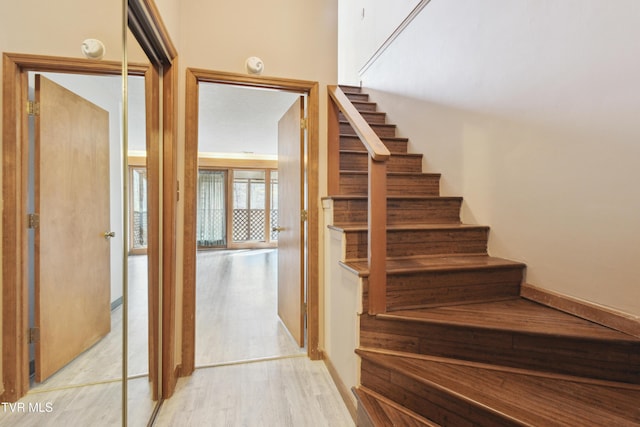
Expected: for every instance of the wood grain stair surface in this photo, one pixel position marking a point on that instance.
(397, 162)
(400, 209)
(451, 393)
(513, 332)
(369, 116)
(405, 240)
(383, 130)
(380, 411)
(394, 144)
(519, 315)
(354, 182)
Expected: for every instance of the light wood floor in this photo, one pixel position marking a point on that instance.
(292, 391)
(236, 308)
(88, 391)
(250, 370)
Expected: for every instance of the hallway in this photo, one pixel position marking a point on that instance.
(249, 369)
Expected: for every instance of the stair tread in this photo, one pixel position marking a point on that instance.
(391, 197)
(364, 152)
(383, 411)
(521, 397)
(514, 315)
(344, 122)
(360, 172)
(409, 227)
(383, 138)
(437, 263)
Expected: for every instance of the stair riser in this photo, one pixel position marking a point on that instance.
(411, 185)
(353, 143)
(371, 117)
(365, 106)
(437, 289)
(357, 96)
(422, 242)
(350, 89)
(429, 402)
(350, 161)
(379, 129)
(433, 211)
(591, 358)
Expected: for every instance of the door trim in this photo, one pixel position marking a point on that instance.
(15, 145)
(310, 88)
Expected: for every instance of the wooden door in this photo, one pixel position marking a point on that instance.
(291, 225)
(72, 271)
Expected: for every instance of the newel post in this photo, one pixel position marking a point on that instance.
(377, 236)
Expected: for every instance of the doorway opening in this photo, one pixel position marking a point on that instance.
(255, 159)
(237, 290)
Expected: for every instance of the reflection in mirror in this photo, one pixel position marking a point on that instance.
(99, 365)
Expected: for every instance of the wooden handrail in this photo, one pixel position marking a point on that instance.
(377, 150)
(377, 191)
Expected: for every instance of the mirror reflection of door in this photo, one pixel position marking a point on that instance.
(73, 185)
(73, 233)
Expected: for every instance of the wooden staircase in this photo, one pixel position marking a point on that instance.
(458, 345)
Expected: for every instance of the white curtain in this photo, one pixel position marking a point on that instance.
(211, 223)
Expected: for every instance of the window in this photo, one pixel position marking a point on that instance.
(237, 208)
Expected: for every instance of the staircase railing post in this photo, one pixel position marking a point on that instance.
(377, 236)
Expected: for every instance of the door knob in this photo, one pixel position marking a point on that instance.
(109, 234)
(278, 229)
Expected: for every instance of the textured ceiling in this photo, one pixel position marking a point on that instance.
(232, 119)
(236, 119)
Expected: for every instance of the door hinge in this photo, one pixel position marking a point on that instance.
(33, 221)
(33, 108)
(304, 216)
(304, 123)
(33, 335)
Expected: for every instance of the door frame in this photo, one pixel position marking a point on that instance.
(193, 78)
(15, 357)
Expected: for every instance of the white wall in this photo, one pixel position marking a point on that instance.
(364, 25)
(530, 111)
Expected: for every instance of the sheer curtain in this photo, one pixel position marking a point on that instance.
(211, 228)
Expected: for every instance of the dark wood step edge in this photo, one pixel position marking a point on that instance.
(404, 174)
(394, 197)
(604, 316)
(362, 272)
(364, 351)
(362, 393)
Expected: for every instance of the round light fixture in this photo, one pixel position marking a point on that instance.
(254, 65)
(93, 49)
